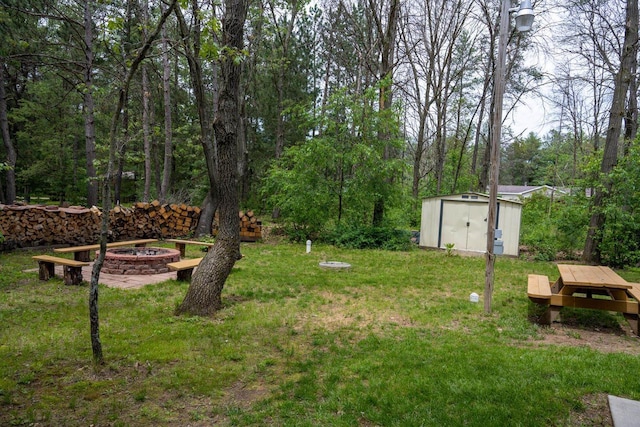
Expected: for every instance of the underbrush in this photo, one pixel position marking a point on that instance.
(368, 237)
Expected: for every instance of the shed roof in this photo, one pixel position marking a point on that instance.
(525, 189)
(472, 193)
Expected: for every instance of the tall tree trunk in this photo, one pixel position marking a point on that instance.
(387, 39)
(417, 158)
(284, 38)
(480, 119)
(204, 295)
(146, 134)
(96, 344)
(631, 113)
(622, 82)
(122, 146)
(192, 47)
(120, 155)
(10, 194)
(146, 119)
(89, 119)
(168, 146)
(207, 213)
(441, 140)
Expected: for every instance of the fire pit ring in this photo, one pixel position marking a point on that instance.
(139, 260)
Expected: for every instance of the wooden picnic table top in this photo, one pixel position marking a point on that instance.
(591, 276)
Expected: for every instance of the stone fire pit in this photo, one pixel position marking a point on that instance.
(133, 261)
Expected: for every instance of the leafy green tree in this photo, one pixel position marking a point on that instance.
(552, 225)
(337, 177)
(620, 234)
(280, 77)
(625, 73)
(521, 164)
(22, 40)
(50, 140)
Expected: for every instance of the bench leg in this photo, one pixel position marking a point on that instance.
(550, 315)
(72, 275)
(83, 256)
(182, 248)
(46, 270)
(185, 275)
(632, 319)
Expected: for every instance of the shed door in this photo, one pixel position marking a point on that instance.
(464, 224)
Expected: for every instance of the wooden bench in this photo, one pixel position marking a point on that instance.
(83, 253)
(539, 290)
(635, 291)
(72, 269)
(184, 268)
(181, 245)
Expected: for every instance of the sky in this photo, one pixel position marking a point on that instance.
(535, 114)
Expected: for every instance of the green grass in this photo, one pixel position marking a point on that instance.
(393, 341)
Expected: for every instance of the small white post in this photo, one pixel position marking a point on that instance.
(308, 246)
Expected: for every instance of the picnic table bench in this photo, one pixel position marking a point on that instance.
(586, 286)
(184, 268)
(82, 253)
(539, 290)
(182, 244)
(72, 269)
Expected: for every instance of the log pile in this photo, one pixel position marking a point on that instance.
(164, 221)
(250, 227)
(27, 226)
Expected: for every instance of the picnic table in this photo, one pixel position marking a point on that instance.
(82, 253)
(586, 286)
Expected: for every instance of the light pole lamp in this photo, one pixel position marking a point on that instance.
(524, 20)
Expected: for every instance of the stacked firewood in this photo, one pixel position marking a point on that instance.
(48, 225)
(250, 227)
(174, 220)
(25, 226)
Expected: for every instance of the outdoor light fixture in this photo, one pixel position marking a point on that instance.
(524, 16)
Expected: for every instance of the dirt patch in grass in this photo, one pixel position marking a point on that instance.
(244, 395)
(340, 311)
(593, 410)
(605, 340)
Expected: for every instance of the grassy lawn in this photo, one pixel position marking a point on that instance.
(394, 341)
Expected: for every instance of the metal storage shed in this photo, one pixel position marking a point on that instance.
(461, 219)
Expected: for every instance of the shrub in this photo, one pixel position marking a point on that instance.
(369, 237)
(619, 238)
(549, 227)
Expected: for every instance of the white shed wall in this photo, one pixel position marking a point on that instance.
(509, 223)
(461, 219)
(430, 221)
